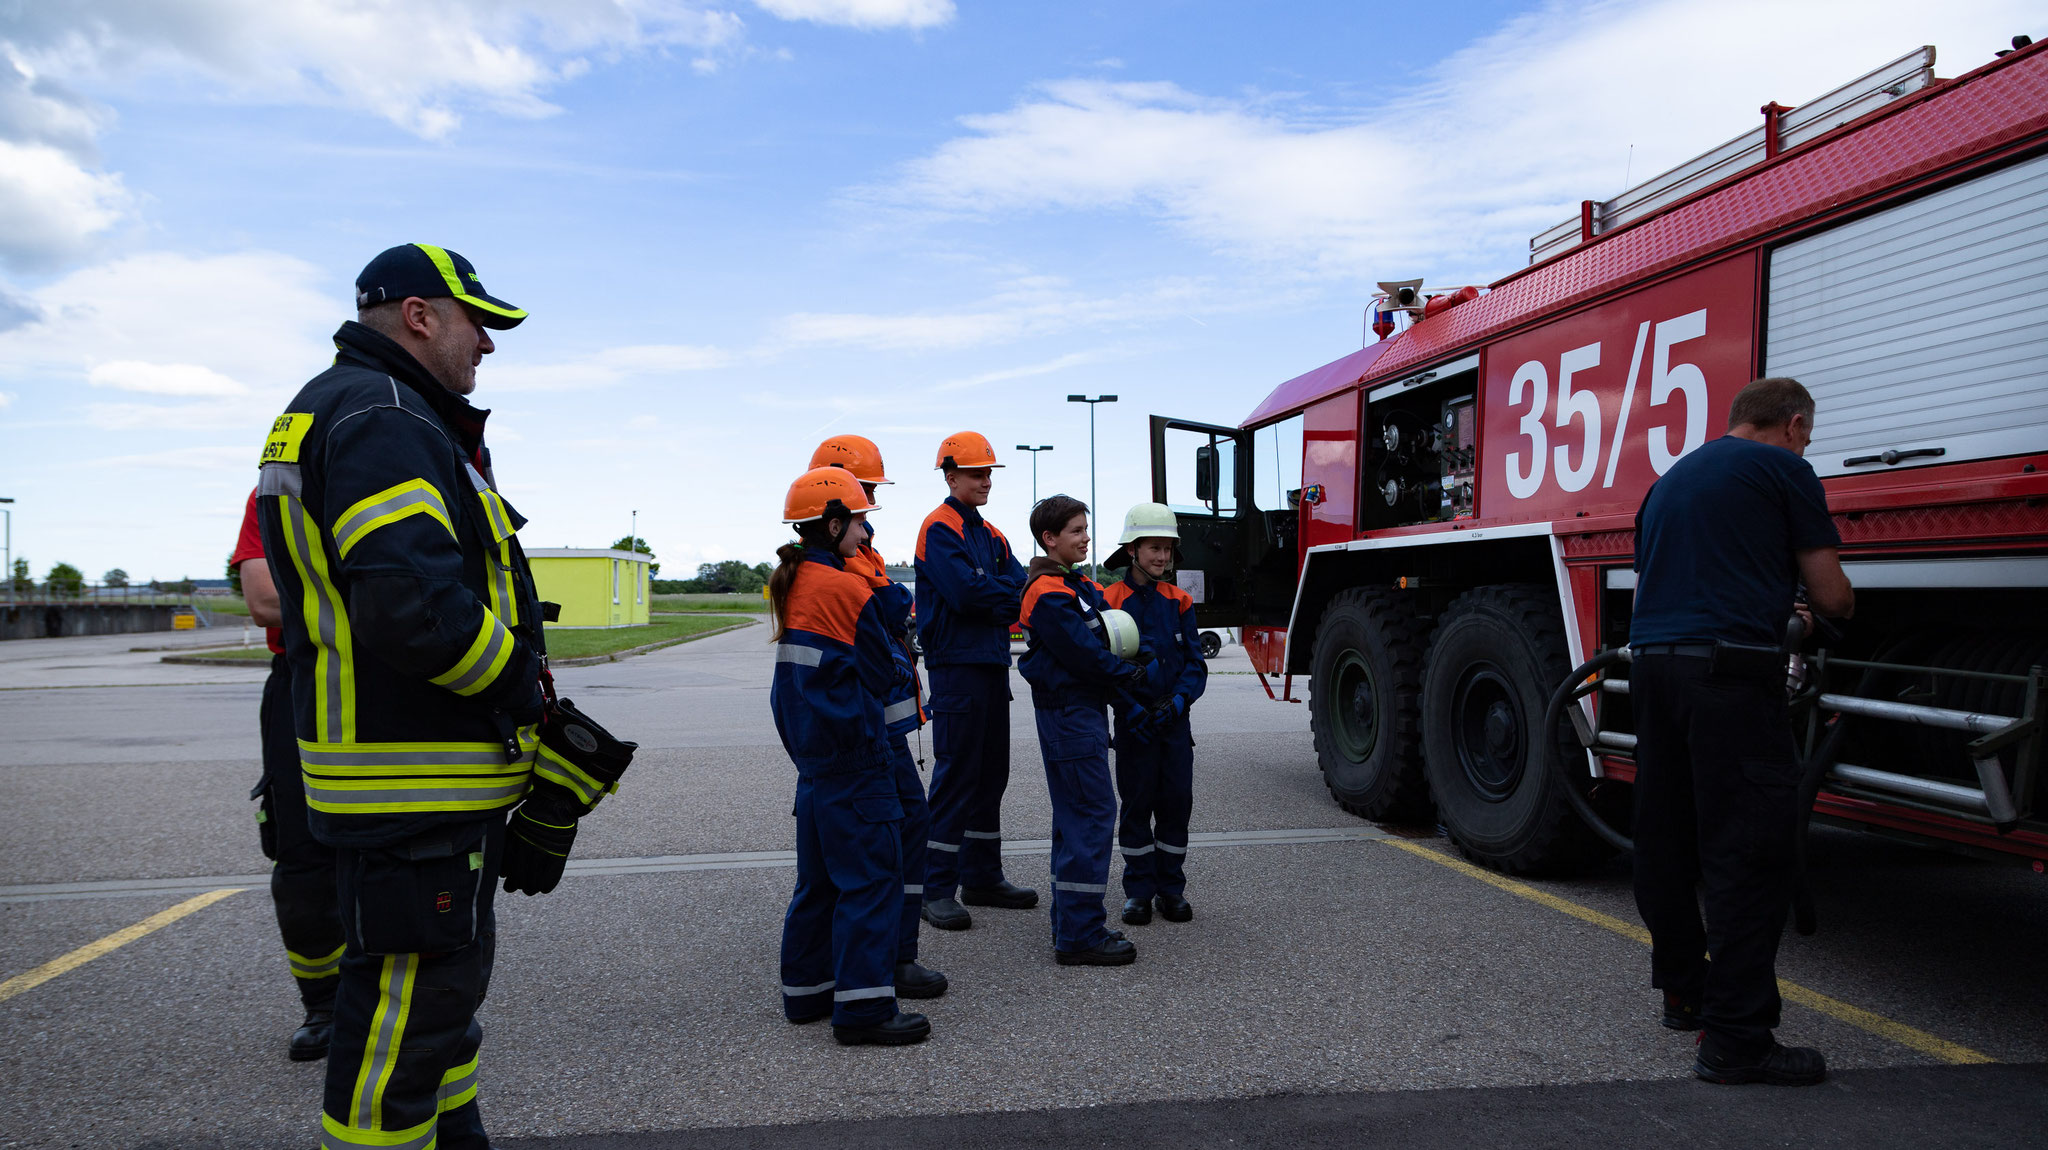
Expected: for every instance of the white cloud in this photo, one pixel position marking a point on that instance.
(1033, 306)
(6, 398)
(604, 368)
(163, 378)
(1503, 140)
(868, 14)
(1027, 371)
(185, 459)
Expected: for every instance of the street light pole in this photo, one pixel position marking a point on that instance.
(1092, 509)
(1034, 478)
(9, 576)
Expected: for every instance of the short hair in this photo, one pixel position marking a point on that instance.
(1770, 402)
(1053, 513)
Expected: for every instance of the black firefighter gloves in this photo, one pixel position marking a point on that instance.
(577, 764)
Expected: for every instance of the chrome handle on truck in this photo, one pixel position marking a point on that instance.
(1895, 456)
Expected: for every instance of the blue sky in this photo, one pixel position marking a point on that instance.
(743, 226)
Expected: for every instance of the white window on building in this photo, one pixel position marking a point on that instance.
(615, 582)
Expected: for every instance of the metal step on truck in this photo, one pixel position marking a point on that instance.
(1450, 569)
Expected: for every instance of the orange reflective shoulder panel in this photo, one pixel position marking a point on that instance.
(1186, 601)
(943, 514)
(1041, 586)
(1116, 593)
(827, 602)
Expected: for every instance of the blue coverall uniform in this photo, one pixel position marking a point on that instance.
(968, 587)
(1073, 674)
(903, 712)
(1155, 770)
(833, 667)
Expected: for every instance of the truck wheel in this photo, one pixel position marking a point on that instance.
(1497, 654)
(1363, 698)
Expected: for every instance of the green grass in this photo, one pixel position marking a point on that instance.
(251, 654)
(746, 603)
(224, 605)
(581, 644)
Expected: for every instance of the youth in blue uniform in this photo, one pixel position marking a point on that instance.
(1073, 675)
(902, 709)
(968, 587)
(1155, 749)
(833, 668)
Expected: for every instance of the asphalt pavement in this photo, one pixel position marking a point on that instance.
(1340, 984)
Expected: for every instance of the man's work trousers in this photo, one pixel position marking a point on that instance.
(1075, 741)
(970, 709)
(422, 932)
(841, 936)
(1716, 808)
(1155, 778)
(302, 874)
(917, 824)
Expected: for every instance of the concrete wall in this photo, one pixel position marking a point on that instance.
(51, 620)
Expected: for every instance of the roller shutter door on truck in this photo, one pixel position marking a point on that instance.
(1921, 328)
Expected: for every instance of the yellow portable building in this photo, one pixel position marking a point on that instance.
(597, 588)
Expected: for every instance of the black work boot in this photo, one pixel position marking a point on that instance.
(1778, 1066)
(309, 1041)
(1116, 950)
(1005, 894)
(1680, 1012)
(946, 914)
(914, 981)
(902, 1030)
(1174, 908)
(1137, 911)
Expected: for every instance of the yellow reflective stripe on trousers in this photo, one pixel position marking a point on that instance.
(387, 1036)
(326, 620)
(480, 665)
(556, 769)
(413, 497)
(335, 1136)
(401, 778)
(458, 1087)
(306, 967)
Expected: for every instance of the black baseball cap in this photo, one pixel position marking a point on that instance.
(429, 272)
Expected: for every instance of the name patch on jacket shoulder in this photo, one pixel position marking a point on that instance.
(285, 436)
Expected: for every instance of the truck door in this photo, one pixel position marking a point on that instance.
(1204, 473)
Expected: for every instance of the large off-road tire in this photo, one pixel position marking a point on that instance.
(1496, 656)
(1363, 705)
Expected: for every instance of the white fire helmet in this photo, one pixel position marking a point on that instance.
(1121, 632)
(1149, 521)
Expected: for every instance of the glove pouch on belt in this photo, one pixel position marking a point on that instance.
(579, 757)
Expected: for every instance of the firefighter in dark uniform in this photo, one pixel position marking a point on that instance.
(1723, 542)
(413, 634)
(302, 870)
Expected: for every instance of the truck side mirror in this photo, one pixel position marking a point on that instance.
(1205, 474)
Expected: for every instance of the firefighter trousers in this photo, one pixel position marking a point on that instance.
(970, 709)
(1716, 815)
(1155, 780)
(422, 933)
(302, 870)
(841, 936)
(1075, 741)
(917, 822)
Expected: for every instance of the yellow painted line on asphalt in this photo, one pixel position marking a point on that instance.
(111, 943)
(1856, 1016)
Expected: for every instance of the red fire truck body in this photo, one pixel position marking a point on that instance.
(1464, 531)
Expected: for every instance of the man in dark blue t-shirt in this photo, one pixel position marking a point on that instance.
(1723, 543)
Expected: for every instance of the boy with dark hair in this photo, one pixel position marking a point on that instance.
(1155, 749)
(1073, 675)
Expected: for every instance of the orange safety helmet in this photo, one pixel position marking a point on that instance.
(815, 491)
(856, 453)
(966, 449)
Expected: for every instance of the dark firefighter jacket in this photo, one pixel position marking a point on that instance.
(903, 708)
(833, 668)
(1068, 661)
(410, 620)
(968, 584)
(1165, 615)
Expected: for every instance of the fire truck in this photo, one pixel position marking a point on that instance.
(1453, 574)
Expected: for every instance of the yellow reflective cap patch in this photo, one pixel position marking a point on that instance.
(285, 437)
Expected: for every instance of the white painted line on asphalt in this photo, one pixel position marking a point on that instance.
(660, 864)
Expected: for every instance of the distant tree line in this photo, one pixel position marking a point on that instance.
(728, 577)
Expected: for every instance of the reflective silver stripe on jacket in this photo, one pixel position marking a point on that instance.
(870, 992)
(481, 755)
(1081, 887)
(913, 888)
(486, 664)
(797, 653)
(317, 791)
(423, 496)
(279, 479)
(894, 712)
